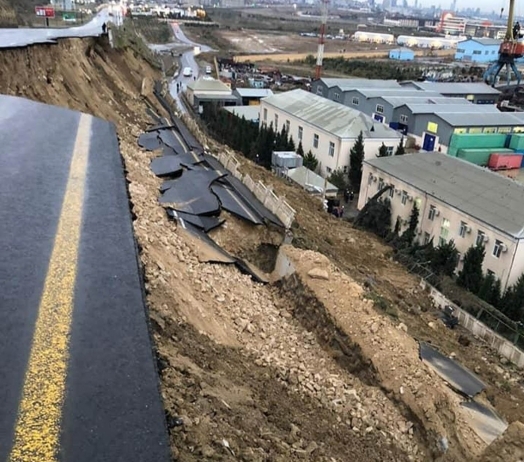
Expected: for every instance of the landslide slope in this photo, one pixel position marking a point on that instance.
(250, 378)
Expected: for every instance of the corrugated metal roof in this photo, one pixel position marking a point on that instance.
(478, 192)
(455, 88)
(327, 115)
(207, 85)
(454, 108)
(254, 92)
(248, 112)
(403, 92)
(489, 119)
(348, 84)
(397, 101)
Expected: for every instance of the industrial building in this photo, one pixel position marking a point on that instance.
(332, 88)
(402, 54)
(325, 128)
(457, 200)
(373, 37)
(251, 96)
(207, 90)
(478, 50)
(428, 42)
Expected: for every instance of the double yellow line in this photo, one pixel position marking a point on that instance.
(37, 430)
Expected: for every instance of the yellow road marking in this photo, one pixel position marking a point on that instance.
(37, 431)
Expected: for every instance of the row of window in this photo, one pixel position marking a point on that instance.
(300, 134)
(498, 247)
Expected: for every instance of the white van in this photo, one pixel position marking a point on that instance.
(188, 72)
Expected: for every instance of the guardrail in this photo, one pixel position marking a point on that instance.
(275, 204)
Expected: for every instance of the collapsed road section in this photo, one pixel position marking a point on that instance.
(197, 189)
(78, 374)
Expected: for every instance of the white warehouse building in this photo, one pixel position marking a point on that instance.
(326, 128)
(428, 42)
(373, 37)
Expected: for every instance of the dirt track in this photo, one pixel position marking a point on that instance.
(241, 362)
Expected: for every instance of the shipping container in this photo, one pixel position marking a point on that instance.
(478, 141)
(480, 156)
(517, 142)
(505, 161)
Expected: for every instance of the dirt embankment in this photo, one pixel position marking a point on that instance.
(8, 16)
(264, 372)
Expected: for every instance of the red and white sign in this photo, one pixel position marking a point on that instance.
(45, 11)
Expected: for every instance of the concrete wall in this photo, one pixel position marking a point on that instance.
(507, 267)
(503, 347)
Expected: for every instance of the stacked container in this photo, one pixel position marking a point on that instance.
(505, 161)
(480, 156)
(494, 141)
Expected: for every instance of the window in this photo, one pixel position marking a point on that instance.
(328, 170)
(265, 115)
(463, 229)
(287, 126)
(319, 90)
(370, 179)
(432, 212)
(315, 140)
(460, 50)
(477, 52)
(497, 248)
(444, 231)
(355, 101)
(345, 169)
(481, 237)
(380, 109)
(392, 191)
(300, 133)
(403, 119)
(276, 122)
(380, 183)
(427, 237)
(337, 96)
(404, 197)
(389, 150)
(331, 149)
(486, 52)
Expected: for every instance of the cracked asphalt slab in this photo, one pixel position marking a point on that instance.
(78, 380)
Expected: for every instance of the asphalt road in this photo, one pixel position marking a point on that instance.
(13, 38)
(186, 60)
(78, 381)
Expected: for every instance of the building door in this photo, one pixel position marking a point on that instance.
(378, 118)
(429, 142)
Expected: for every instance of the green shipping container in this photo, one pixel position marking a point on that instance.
(478, 141)
(517, 142)
(480, 156)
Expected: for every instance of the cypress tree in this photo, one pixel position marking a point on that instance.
(470, 276)
(356, 157)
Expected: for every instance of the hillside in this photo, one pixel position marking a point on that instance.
(280, 372)
(8, 17)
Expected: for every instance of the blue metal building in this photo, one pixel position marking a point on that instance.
(402, 54)
(478, 50)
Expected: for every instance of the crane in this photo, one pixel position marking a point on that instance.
(510, 50)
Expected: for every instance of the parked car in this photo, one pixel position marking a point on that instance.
(208, 70)
(188, 72)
